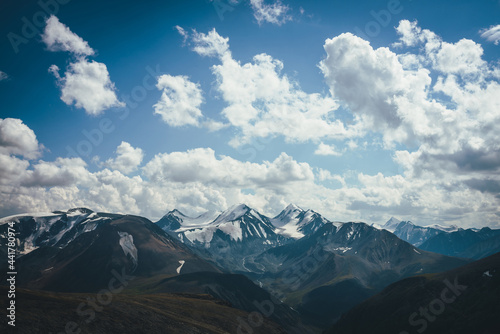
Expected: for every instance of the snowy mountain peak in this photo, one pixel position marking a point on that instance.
(288, 214)
(391, 224)
(177, 221)
(292, 208)
(234, 213)
(295, 223)
(55, 229)
(176, 213)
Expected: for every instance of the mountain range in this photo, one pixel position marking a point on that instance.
(298, 271)
(450, 240)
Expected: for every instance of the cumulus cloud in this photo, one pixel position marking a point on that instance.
(58, 37)
(86, 84)
(127, 158)
(492, 34)
(3, 76)
(198, 180)
(214, 126)
(463, 57)
(275, 13)
(201, 165)
(324, 149)
(59, 173)
(433, 103)
(263, 102)
(180, 101)
(372, 84)
(210, 45)
(17, 138)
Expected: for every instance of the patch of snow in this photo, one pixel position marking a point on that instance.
(343, 249)
(416, 251)
(128, 247)
(231, 214)
(264, 234)
(33, 214)
(180, 267)
(201, 221)
(202, 235)
(487, 273)
(350, 233)
(290, 230)
(233, 229)
(450, 228)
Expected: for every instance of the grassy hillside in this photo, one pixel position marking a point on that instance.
(45, 312)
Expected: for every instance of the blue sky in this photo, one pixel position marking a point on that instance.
(359, 110)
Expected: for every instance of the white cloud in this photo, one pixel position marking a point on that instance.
(324, 149)
(463, 57)
(18, 139)
(214, 126)
(492, 34)
(87, 85)
(12, 169)
(275, 13)
(201, 165)
(58, 37)
(444, 133)
(180, 101)
(3, 76)
(59, 173)
(182, 32)
(372, 83)
(211, 44)
(263, 102)
(127, 158)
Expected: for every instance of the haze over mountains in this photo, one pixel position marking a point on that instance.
(298, 270)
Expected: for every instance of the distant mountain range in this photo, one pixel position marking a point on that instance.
(453, 241)
(306, 268)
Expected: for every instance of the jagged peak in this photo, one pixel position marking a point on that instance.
(234, 212)
(176, 213)
(292, 207)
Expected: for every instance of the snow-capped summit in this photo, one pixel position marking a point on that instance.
(238, 224)
(234, 213)
(415, 234)
(391, 224)
(295, 223)
(55, 229)
(240, 231)
(178, 221)
(287, 215)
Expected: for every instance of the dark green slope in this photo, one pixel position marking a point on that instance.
(45, 312)
(237, 290)
(462, 300)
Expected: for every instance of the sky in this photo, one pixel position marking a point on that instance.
(360, 110)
